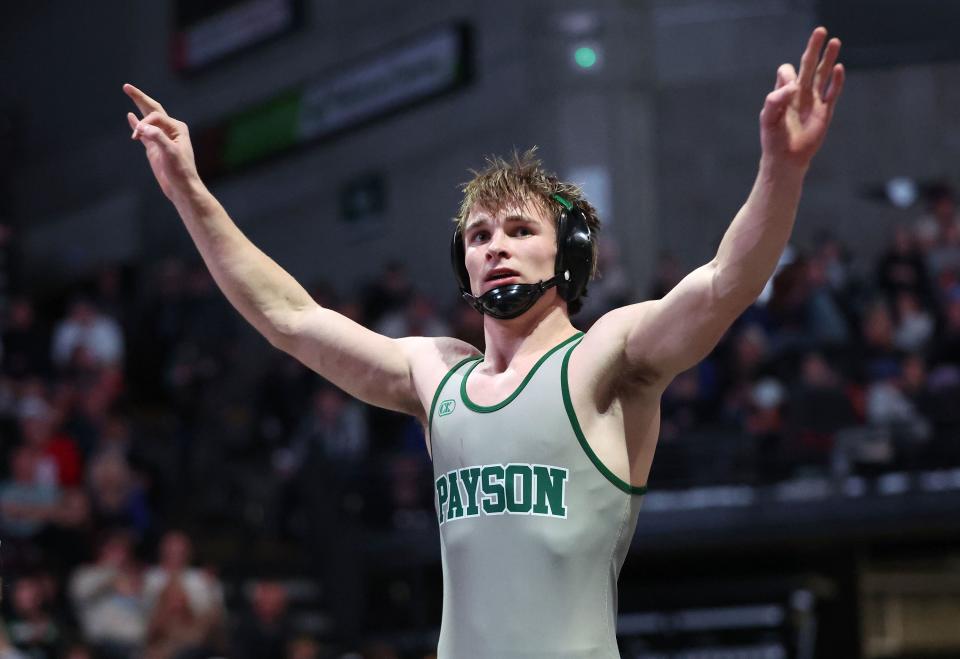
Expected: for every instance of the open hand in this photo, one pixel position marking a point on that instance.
(797, 113)
(167, 142)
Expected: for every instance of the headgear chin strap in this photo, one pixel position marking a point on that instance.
(572, 267)
(512, 300)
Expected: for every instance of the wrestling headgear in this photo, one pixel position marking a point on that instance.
(571, 272)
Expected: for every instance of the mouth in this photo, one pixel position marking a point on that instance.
(500, 277)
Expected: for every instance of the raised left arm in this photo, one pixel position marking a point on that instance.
(664, 337)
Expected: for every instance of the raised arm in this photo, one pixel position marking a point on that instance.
(371, 367)
(663, 337)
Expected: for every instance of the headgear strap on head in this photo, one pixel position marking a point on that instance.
(571, 271)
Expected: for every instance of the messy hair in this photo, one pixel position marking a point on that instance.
(519, 180)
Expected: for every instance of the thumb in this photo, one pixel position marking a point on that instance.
(785, 74)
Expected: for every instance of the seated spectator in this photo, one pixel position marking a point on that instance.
(7, 651)
(265, 630)
(940, 217)
(59, 459)
(203, 590)
(25, 344)
(176, 630)
(878, 355)
(902, 268)
(107, 597)
(915, 325)
(26, 504)
(32, 629)
(764, 421)
(819, 407)
(945, 255)
(91, 333)
(116, 497)
(76, 651)
(825, 317)
(302, 647)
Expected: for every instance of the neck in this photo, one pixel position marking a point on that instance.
(542, 327)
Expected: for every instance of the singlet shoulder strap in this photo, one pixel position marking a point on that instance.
(443, 382)
(581, 438)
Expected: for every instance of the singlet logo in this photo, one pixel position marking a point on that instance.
(511, 489)
(447, 407)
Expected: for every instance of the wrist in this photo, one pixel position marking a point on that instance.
(192, 197)
(779, 167)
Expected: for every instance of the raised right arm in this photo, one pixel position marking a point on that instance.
(371, 367)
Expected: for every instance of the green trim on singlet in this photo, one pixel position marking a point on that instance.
(436, 395)
(578, 431)
(493, 408)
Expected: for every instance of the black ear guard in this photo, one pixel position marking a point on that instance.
(574, 255)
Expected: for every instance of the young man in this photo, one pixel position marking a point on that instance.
(541, 446)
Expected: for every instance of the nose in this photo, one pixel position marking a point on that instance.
(497, 246)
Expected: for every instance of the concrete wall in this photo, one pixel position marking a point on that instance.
(667, 124)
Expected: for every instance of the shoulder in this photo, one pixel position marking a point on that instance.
(600, 361)
(436, 351)
(430, 359)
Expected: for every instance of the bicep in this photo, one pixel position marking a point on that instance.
(667, 336)
(369, 366)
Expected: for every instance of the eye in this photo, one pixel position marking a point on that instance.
(524, 231)
(478, 236)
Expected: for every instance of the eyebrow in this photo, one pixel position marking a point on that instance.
(509, 218)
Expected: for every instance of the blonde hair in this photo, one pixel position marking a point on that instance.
(519, 180)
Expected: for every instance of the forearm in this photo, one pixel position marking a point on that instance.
(753, 243)
(263, 292)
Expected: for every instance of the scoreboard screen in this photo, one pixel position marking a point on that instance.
(207, 31)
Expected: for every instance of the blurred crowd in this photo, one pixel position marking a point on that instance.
(841, 368)
(157, 454)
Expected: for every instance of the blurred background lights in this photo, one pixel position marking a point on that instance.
(585, 57)
(902, 191)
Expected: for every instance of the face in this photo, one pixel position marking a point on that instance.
(517, 244)
(175, 550)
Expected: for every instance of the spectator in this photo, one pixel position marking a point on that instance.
(32, 629)
(819, 407)
(391, 292)
(878, 356)
(25, 343)
(7, 651)
(902, 269)
(202, 590)
(117, 498)
(176, 630)
(825, 317)
(59, 459)
(940, 217)
(610, 290)
(915, 325)
(265, 630)
(87, 334)
(107, 598)
(945, 255)
(302, 647)
(26, 504)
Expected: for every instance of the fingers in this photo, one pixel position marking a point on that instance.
(168, 124)
(808, 62)
(146, 132)
(144, 103)
(835, 84)
(785, 74)
(822, 75)
(777, 102)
